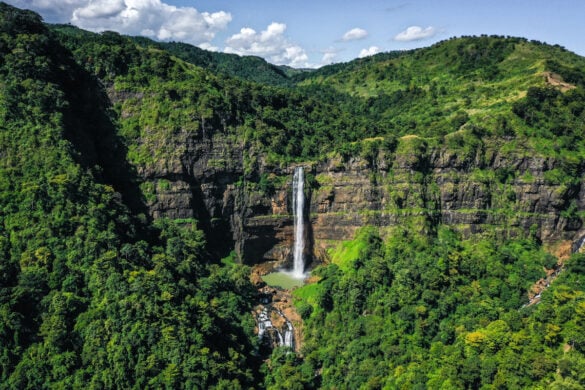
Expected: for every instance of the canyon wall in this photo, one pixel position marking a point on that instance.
(242, 201)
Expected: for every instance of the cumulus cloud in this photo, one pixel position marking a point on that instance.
(101, 10)
(415, 33)
(329, 55)
(354, 34)
(272, 44)
(153, 18)
(369, 51)
(328, 58)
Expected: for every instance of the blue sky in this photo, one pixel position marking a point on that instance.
(311, 33)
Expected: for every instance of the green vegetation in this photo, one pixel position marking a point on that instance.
(247, 68)
(348, 252)
(282, 279)
(93, 293)
(465, 93)
(90, 296)
(413, 312)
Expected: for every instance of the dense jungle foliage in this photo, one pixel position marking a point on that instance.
(90, 294)
(93, 293)
(416, 313)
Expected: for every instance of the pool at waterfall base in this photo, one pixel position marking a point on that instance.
(283, 279)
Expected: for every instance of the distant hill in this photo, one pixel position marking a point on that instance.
(245, 67)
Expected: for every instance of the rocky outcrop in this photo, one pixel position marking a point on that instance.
(243, 202)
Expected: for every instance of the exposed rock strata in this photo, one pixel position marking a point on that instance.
(218, 182)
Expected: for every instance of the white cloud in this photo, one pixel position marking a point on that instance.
(103, 9)
(209, 47)
(329, 55)
(415, 33)
(153, 18)
(271, 44)
(328, 58)
(355, 34)
(369, 51)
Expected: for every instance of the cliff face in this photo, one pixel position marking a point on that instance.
(242, 202)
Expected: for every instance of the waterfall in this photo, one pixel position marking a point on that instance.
(289, 335)
(282, 337)
(579, 245)
(298, 210)
(263, 323)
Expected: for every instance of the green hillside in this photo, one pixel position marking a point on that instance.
(248, 68)
(470, 87)
(439, 313)
(97, 290)
(476, 78)
(90, 294)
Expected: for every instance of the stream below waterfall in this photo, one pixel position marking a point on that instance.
(544, 285)
(274, 329)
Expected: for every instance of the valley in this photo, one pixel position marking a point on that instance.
(434, 199)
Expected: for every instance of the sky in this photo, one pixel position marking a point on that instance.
(313, 33)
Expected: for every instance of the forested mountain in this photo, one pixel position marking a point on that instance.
(249, 68)
(92, 294)
(140, 180)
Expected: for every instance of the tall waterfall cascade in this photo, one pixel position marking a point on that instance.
(299, 222)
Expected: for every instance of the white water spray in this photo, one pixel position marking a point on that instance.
(282, 337)
(298, 207)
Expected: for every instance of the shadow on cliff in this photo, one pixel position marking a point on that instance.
(217, 230)
(90, 126)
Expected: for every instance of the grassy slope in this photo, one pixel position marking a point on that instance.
(480, 76)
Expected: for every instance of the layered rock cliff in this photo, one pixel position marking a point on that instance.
(244, 202)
